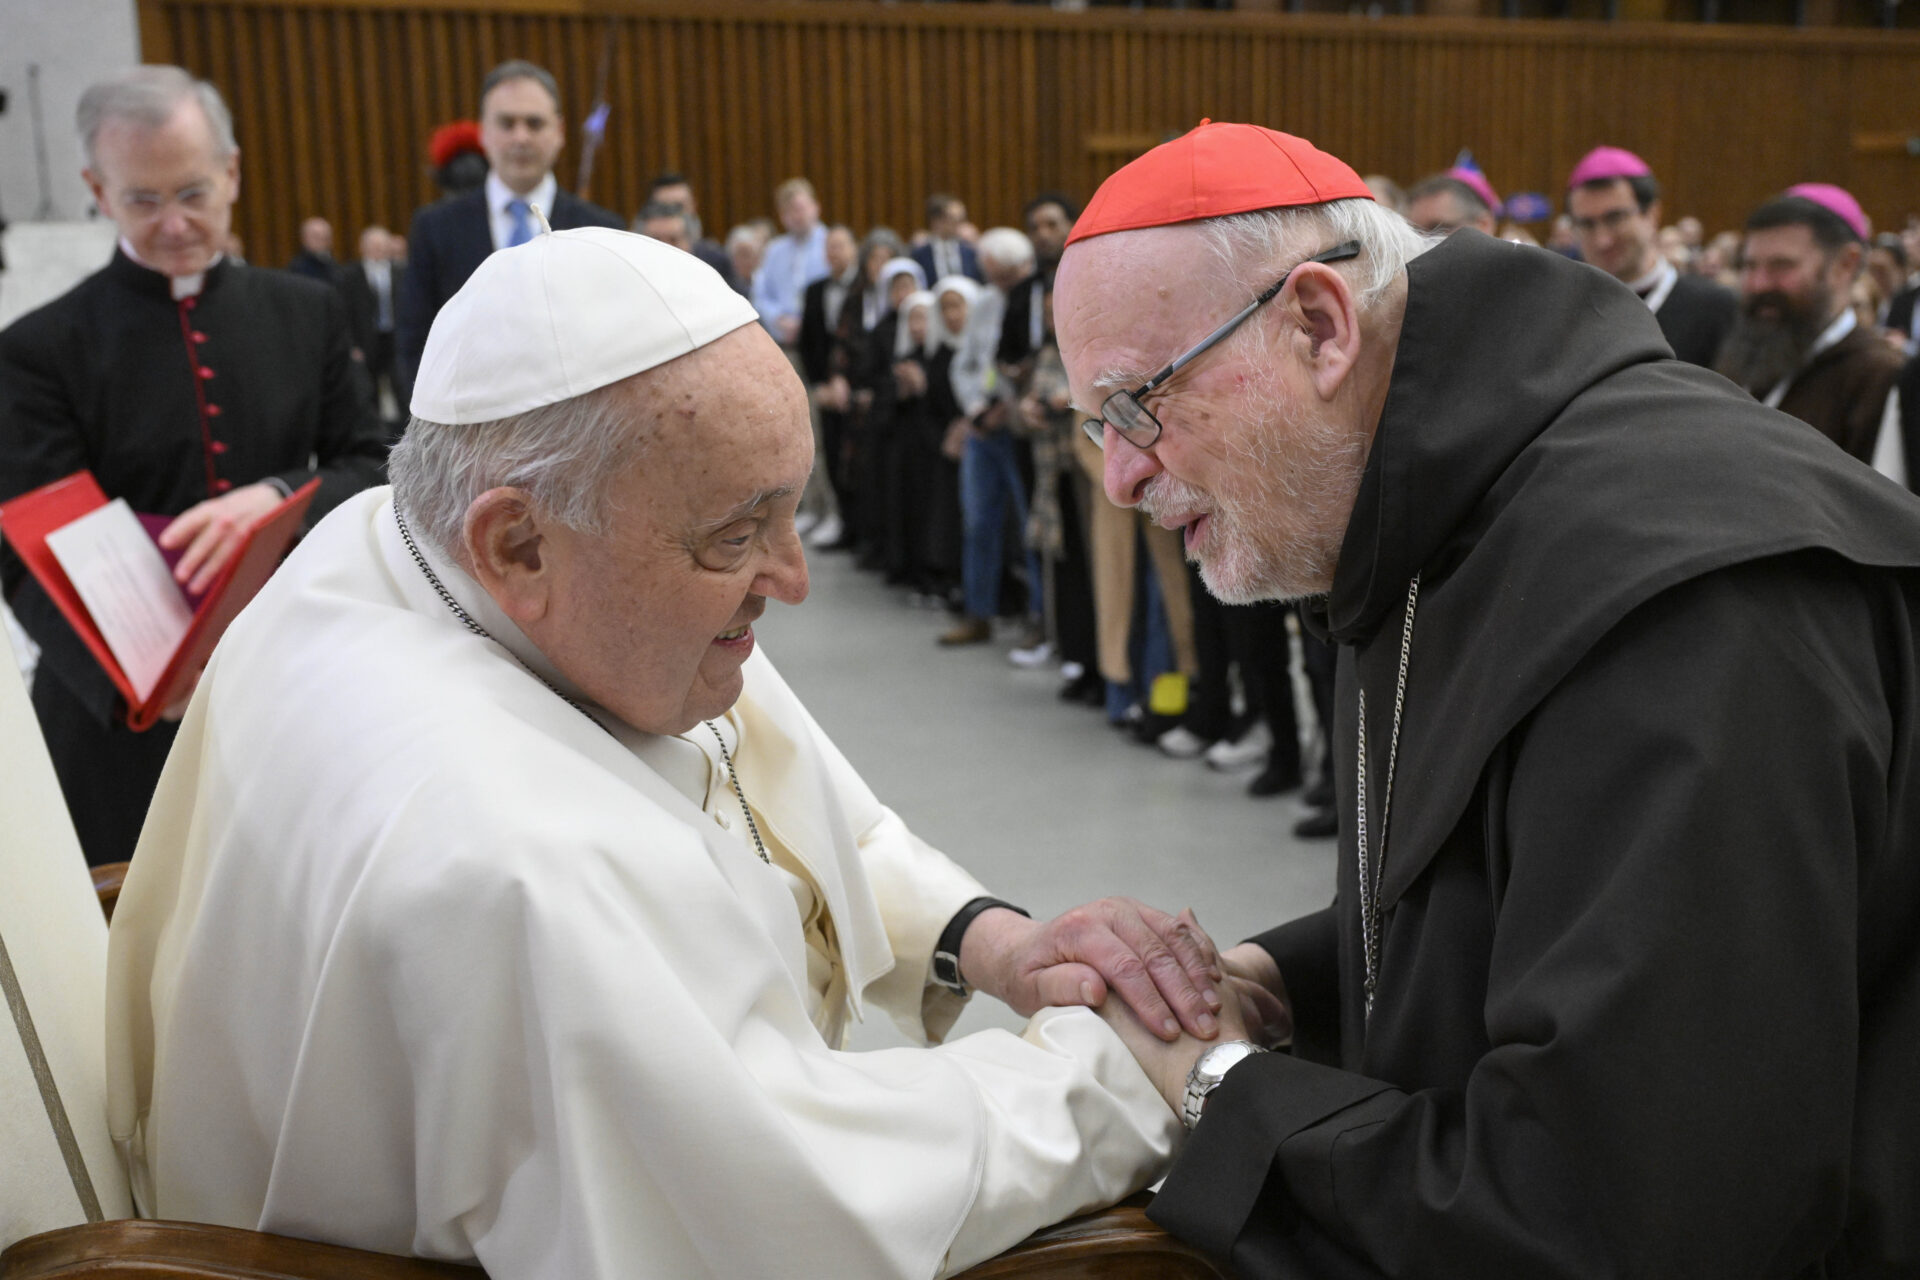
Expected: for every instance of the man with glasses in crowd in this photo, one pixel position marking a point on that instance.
(1628, 718)
(1614, 201)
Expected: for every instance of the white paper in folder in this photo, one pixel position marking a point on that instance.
(124, 581)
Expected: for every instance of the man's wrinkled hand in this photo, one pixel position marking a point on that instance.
(212, 532)
(1164, 967)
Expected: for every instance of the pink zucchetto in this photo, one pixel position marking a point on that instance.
(1478, 181)
(1603, 164)
(1837, 200)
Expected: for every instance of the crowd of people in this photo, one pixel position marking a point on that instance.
(528, 907)
(949, 462)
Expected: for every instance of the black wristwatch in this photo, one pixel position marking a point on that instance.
(946, 952)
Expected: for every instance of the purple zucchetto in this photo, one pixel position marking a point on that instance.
(1603, 164)
(1837, 200)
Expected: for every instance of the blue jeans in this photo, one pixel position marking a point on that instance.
(989, 483)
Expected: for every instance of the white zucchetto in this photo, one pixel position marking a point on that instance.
(563, 314)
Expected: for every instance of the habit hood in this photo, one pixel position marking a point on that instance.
(1495, 475)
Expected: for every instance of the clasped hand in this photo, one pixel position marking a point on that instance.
(1165, 968)
(1256, 1011)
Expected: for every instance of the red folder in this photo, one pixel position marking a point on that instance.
(28, 519)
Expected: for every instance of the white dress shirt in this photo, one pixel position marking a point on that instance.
(500, 218)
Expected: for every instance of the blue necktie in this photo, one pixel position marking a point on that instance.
(522, 225)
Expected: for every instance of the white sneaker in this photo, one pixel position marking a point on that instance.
(1250, 752)
(1035, 655)
(826, 533)
(1181, 743)
(1071, 671)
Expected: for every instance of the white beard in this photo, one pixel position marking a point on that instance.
(1281, 538)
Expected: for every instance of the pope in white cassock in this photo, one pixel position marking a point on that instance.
(500, 902)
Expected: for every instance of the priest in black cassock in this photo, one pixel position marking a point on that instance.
(1622, 976)
(189, 385)
(1614, 202)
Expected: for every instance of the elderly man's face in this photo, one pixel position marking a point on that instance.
(654, 621)
(521, 131)
(1004, 275)
(167, 189)
(1250, 466)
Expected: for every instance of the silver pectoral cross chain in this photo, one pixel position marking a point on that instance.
(1370, 869)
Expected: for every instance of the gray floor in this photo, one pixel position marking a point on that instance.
(1042, 801)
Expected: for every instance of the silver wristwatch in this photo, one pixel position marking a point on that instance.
(1209, 1071)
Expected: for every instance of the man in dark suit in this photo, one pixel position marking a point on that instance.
(830, 344)
(1614, 202)
(372, 289)
(522, 131)
(315, 259)
(945, 253)
(1049, 219)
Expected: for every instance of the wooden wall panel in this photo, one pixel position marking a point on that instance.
(334, 99)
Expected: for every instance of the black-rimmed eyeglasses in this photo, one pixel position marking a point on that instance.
(1133, 420)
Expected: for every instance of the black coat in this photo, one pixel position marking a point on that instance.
(103, 378)
(448, 240)
(1016, 326)
(314, 266)
(969, 263)
(1649, 977)
(363, 306)
(1695, 318)
(831, 344)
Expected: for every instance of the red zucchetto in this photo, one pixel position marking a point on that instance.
(1213, 171)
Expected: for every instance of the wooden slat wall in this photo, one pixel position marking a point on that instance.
(334, 99)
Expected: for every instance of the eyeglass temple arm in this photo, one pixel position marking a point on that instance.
(1339, 253)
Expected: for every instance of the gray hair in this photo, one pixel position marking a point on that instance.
(1251, 246)
(1006, 246)
(565, 456)
(149, 95)
(519, 69)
